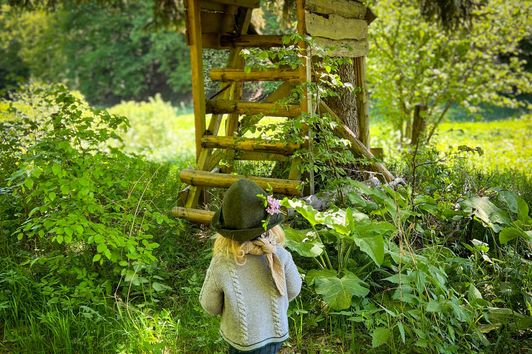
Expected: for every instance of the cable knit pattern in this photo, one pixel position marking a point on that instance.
(275, 312)
(253, 312)
(241, 307)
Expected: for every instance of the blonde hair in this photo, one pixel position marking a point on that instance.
(228, 247)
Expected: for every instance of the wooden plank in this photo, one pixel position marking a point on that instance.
(198, 216)
(240, 75)
(356, 146)
(344, 8)
(249, 144)
(250, 4)
(349, 48)
(252, 108)
(219, 41)
(259, 156)
(336, 27)
(211, 22)
(359, 65)
(222, 180)
(196, 61)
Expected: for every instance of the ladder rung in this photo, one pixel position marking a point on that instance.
(223, 180)
(262, 75)
(248, 144)
(252, 108)
(214, 40)
(259, 156)
(198, 216)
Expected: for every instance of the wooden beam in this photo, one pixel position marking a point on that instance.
(357, 147)
(344, 8)
(262, 75)
(259, 156)
(219, 41)
(247, 144)
(222, 180)
(336, 27)
(251, 4)
(252, 108)
(196, 61)
(359, 65)
(197, 216)
(350, 48)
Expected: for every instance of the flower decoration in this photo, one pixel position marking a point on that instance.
(274, 206)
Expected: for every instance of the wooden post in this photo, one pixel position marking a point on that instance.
(196, 61)
(362, 100)
(300, 11)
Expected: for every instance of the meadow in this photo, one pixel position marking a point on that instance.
(457, 239)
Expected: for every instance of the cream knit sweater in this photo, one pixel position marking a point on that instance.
(253, 312)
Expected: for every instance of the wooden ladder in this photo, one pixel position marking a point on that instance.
(211, 147)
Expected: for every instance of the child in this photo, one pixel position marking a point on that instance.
(251, 277)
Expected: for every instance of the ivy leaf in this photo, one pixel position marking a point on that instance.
(337, 292)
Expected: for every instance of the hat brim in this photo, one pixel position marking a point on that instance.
(242, 235)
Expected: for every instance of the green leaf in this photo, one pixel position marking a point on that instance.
(56, 169)
(510, 233)
(51, 196)
(101, 248)
(473, 294)
(380, 336)
(28, 182)
(369, 237)
(337, 292)
(434, 306)
(160, 287)
(305, 243)
(96, 257)
(487, 212)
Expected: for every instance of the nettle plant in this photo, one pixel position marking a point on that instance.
(83, 212)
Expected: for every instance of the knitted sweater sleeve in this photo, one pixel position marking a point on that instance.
(211, 295)
(293, 279)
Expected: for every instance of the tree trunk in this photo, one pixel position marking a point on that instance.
(345, 104)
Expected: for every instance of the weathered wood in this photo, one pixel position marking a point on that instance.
(197, 216)
(250, 4)
(211, 22)
(357, 147)
(222, 180)
(258, 41)
(196, 60)
(259, 156)
(252, 108)
(344, 8)
(219, 41)
(349, 48)
(359, 65)
(263, 75)
(335, 27)
(249, 144)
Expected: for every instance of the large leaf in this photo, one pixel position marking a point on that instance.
(313, 216)
(337, 292)
(369, 236)
(515, 204)
(304, 242)
(510, 233)
(487, 212)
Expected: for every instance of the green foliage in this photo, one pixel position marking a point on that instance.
(397, 277)
(106, 52)
(92, 224)
(415, 62)
(156, 131)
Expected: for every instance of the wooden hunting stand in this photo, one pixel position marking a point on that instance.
(226, 25)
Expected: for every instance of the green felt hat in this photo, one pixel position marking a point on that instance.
(242, 213)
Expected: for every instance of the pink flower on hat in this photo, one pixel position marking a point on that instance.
(274, 207)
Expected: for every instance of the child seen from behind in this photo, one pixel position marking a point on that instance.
(251, 277)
